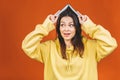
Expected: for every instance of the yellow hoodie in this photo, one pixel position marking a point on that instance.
(75, 68)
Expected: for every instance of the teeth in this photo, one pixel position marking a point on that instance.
(66, 33)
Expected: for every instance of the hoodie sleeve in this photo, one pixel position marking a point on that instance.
(32, 46)
(105, 43)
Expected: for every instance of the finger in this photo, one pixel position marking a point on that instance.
(51, 17)
(84, 18)
(56, 17)
(57, 13)
(79, 13)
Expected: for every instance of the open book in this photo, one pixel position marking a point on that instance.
(68, 5)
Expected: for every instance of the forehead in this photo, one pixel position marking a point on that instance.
(66, 19)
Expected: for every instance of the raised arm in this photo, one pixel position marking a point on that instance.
(31, 44)
(105, 42)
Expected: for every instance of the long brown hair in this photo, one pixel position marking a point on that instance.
(76, 40)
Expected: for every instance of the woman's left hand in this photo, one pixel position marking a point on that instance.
(82, 18)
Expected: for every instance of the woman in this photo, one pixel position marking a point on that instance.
(70, 56)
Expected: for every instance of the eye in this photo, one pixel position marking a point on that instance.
(71, 25)
(62, 25)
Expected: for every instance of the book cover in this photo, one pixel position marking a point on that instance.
(68, 5)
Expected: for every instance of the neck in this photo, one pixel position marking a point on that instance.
(68, 43)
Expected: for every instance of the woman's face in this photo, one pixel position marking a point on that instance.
(67, 28)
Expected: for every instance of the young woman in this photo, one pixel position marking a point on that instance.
(70, 56)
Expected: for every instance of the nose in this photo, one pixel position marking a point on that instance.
(66, 28)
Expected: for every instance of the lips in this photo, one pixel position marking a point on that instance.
(66, 34)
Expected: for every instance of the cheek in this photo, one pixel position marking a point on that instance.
(73, 32)
(61, 31)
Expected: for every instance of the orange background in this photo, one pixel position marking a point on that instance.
(19, 17)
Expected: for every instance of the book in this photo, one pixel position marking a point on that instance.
(68, 5)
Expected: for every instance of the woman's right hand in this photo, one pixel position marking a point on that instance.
(54, 18)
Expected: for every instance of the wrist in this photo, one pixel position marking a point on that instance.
(48, 24)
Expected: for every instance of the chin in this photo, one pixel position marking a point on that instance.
(67, 39)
